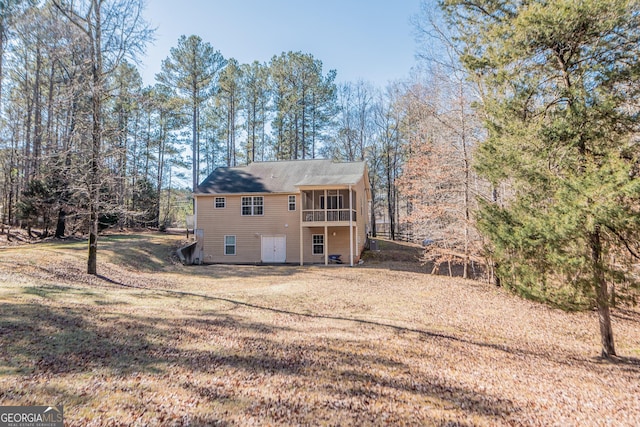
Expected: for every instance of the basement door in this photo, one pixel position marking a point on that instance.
(274, 249)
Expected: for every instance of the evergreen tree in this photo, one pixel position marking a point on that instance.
(37, 205)
(191, 70)
(163, 123)
(228, 101)
(121, 134)
(256, 100)
(304, 101)
(559, 79)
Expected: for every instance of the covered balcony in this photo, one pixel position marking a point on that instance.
(328, 207)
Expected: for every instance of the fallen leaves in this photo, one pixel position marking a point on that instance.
(214, 345)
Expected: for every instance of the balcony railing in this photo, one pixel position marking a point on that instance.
(329, 215)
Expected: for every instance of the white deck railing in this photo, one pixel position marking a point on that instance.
(328, 215)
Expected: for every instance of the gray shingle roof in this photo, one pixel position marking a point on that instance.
(280, 177)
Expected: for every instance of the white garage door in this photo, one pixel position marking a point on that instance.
(274, 248)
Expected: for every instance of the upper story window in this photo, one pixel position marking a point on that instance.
(292, 203)
(220, 203)
(252, 205)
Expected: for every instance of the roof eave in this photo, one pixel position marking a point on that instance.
(325, 186)
(263, 193)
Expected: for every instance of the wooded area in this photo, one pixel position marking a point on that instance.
(515, 141)
(83, 141)
(559, 84)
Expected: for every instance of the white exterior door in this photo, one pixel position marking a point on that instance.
(274, 249)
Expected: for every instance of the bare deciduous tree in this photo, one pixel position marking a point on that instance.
(438, 178)
(112, 31)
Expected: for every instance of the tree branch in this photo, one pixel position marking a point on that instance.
(624, 241)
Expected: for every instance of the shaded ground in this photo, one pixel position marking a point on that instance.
(151, 342)
(397, 255)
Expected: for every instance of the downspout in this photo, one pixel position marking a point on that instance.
(350, 226)
(195, 215)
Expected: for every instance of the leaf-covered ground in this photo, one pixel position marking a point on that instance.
(150, 342)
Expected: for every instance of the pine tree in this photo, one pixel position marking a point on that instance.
(228, 101)
(559, 79)
(191, 70)
(256, 98)
(304, 102)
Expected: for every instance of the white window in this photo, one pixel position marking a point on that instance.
(318, 244)
(220, 203)
(292, 203)
(252, 205)
(229, 245)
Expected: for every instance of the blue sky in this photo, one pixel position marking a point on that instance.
(370, 40)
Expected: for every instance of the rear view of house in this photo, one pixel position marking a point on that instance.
(300, 211)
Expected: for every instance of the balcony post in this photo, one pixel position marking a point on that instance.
(326, 203)
(350, 226)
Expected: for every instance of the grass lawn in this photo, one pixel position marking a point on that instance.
(153, 343)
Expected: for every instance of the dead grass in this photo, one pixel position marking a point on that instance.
(151, 342)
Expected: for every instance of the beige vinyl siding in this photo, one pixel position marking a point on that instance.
(338, 244)
(309, 257)
(362, 206)
(277, 220)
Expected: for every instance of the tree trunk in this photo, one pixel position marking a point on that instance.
(37, 125)
(304, 125)
(61, 224)
(602, 294)
(374, 232)
(467, 182)
(12, 185)
(49, 145)
(2, 31)
(122, 160)
(390, 207)
(165, 221)
(232, 127)
(92, 258)
(94, 180)
(195, 152)
(26, 162)
(160, 175)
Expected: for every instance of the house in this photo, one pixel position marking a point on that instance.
(299, 211)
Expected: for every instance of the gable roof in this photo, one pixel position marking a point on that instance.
(281, 176)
